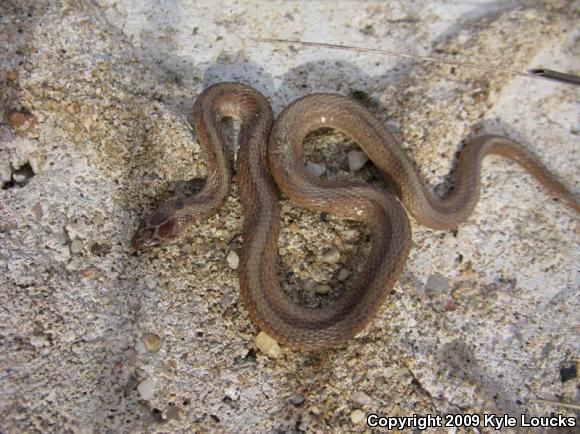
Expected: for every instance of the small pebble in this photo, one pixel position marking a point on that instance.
(332, 256)
(74, 107)
(19, 177)
(315, 410)
(233, 393)
(187, 249)
(11, 75)
(450, 306)
(88, 124)
(172, 413)
(436, 283)
(356, 160)
(357, 416)
(393, 126)
(297, 399)
(76, 246)
(310, 285)
(37, 210)
(151, 341)
(316, 169)
(343, 274)
(268, 345)
(224, 234)
(227, 300)
(98, 218)
(233, 260)
(323, 289)
(531, 15)
(74, 230)
(39, 341)
(21, 121)
(294, 228)
(361, 398)
(146, 389)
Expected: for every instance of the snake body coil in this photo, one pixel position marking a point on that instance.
(270, 154)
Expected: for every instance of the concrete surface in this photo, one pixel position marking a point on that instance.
(96, 338)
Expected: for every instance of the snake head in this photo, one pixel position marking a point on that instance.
(155, 229)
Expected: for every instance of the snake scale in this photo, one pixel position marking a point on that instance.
(270, 158)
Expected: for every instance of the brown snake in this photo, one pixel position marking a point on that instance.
(274, 149)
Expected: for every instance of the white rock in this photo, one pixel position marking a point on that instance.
(233, 260)
(227, 300)
(356, 160)
(357, 416)
(297, 399)
(74, 230)
(332, 256)
(232, 392)
(531, 15)
(19, 177)
(146, 389)
(316, 169)
(323, 289)
(76, 246)
(310, 285)
(362, 398)
(187, 249)
(343, 274)
(39, 341)
(393, 126)
(151, 341)
(436, 283)
(268, 345)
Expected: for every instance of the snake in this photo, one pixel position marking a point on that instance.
(270, 159)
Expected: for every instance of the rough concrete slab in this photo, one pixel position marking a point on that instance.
(95, 338)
